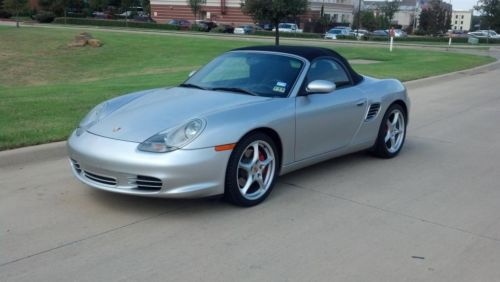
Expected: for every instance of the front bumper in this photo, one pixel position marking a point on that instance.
(117, 166)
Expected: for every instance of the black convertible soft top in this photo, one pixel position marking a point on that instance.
(309, 53)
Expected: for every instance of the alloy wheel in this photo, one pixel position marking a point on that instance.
(395, 131)
(256, 169)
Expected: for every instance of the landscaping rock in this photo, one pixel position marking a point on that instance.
(94, 43)
(83, 39)
(83, 36)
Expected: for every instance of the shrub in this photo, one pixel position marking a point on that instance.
(76, 14)
(196, 27)
(5, 14)
(347, 37)
(94, 22)
(218, 29)
(491, 40)
(45, 17)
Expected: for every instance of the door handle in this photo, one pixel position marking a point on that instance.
(360, 103)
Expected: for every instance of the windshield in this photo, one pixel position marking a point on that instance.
(252, 73)
(335, 31)
(285, 26)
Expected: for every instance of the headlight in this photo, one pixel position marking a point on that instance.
(173, 139)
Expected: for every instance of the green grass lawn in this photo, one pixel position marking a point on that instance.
(47, 87)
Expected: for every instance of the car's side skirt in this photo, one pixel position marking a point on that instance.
(326, 156)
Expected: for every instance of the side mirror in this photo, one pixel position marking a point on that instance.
(320, 86)
(192, 73)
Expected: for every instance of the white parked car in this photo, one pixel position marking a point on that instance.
(484, 34)
(359, 32)
(334, 32)
(288, 27)
(244, 29)
(399, 33)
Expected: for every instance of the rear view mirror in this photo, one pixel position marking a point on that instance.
(192, 73)
(320, 86)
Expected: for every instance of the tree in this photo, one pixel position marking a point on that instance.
(368, 21)
(274, 11)
(490, 13)
(381, 22)
(196, 7)
(58, 7)
(435, 18)
(146, 6)
(389, 9)
(125, 5)
(15, 7)
(475, 23)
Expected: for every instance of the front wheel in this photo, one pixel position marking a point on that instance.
(392, 133)
(252, 170)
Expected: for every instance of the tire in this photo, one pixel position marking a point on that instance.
(391, 134)
(251, 175)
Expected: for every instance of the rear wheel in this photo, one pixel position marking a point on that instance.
(392, 133)
(252, 170)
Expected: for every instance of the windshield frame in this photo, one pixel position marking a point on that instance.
(294, 89)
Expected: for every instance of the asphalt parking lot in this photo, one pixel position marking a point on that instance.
(432, 214)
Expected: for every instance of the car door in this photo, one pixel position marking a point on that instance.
(327, 121)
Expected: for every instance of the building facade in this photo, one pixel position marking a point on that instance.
(225, 11)
(461, 20)
(406, 15)
(339, 11)
(229, 11)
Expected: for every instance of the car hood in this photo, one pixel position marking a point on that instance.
(162, 109)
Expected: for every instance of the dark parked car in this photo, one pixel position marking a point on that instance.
(226, 28)
(206, 25)
(102, 15)
(266, 26)
(382, 33)
(181, 23)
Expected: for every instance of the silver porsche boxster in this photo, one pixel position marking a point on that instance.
(238, 123)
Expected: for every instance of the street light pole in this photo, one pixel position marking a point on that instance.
(359, 18)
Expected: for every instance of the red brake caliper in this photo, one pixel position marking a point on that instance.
(262, 158)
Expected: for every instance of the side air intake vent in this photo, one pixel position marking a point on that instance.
(372, 111)
(76, 166)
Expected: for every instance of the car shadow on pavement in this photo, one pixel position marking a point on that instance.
(135, 204)
(327, 172)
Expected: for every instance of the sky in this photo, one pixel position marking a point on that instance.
(462, 4)
(459, 4)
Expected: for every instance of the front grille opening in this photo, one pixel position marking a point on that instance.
(76, 166)
(100, 178)
(148, 183)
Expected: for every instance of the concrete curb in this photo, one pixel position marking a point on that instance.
(32, 154)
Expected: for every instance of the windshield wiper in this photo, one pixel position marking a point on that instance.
(235, 89)
(190, 85)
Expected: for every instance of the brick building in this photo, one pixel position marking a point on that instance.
(229, 11)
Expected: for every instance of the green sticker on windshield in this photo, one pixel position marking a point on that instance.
(279, 89)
